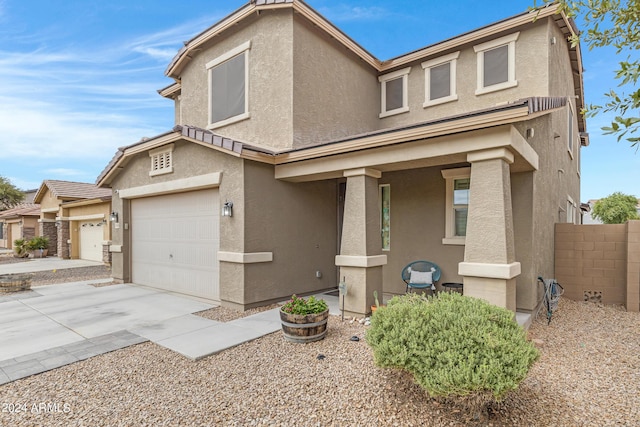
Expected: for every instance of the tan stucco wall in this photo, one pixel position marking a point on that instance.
(48, 201)
(417, 226)
(335, 93)
(531, 74)
(298, 224)
(270, 80)
(189, 160)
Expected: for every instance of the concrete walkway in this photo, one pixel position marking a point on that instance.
(45, 264)
(52, 326)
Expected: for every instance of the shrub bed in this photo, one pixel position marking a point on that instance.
(452, 344)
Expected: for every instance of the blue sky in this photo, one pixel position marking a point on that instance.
(79, 77)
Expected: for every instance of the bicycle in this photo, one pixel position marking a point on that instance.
(552, 292)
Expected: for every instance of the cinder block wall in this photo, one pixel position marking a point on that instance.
(599, 262)
(633, 266)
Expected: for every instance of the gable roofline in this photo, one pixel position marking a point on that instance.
(552, 10)
(21, 209)
(71, 190)
(255, 6)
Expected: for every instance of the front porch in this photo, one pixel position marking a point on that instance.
(422, 214)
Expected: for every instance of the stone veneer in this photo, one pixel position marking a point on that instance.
(63, 237)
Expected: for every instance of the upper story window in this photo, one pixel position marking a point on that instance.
(458, 187)
(440, 80)
(161, 160)
(496, 60)
(570, 129)
(228, 87)
(571, 211)
(395, 92)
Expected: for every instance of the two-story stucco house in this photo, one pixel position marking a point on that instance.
(331, 164)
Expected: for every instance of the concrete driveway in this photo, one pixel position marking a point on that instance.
(56, 325)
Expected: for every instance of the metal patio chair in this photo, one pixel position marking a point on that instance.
(421, 275)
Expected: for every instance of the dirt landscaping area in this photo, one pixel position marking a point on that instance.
(588, 374)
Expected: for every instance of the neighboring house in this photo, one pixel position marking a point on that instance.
(340, 166)
(588, 219)
(74, 216)
(19, 222)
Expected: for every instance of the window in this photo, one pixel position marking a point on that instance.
(385, 216)
(440, 80)
(161, 160)
(228, 87)
(394, 92)
(458, 187)
(570, 130)
(571, 210)
(496, 61)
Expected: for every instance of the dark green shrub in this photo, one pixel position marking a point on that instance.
(38, 242)
(452, 344)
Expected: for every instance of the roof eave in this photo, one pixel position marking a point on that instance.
(174, 68)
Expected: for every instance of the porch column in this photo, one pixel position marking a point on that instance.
(489, 268)
(63, 238)
(361, 258)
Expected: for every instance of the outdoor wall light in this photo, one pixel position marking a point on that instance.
(114, 216)
(227, 209)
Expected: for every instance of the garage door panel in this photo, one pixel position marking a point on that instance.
(91, 235)
(175, 242)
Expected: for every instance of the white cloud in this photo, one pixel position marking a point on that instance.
(344, 12)
(65, 172)
(47, 131)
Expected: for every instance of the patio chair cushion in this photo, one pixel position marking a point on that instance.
(421, 277)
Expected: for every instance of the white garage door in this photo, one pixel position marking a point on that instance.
(91, 237)
(175, 242)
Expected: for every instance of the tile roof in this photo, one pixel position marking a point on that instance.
(73, 190)
(22, 209)
(191, 132)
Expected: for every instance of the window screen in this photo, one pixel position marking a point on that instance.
(385, 216)
(496, 66)
(440, 81)
(228, 89)
(394, 91)
(461, 205)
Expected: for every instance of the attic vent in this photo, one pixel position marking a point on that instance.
(161, 160)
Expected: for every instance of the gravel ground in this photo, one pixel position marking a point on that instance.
(588, 375)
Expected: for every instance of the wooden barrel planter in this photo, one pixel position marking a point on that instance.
(303, 328)
(15, 282)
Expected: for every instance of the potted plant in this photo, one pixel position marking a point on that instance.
(38, 246)
(304, 320)
(20, 249)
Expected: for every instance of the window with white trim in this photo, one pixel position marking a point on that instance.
(161, 160)
(394, 92)
(458, 187)
(570, 129)
(228, 87)
(571, 211)
(440, 80)
(496, 62)
(385, 216)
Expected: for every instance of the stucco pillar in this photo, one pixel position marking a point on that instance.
(489, 268)
(361, 258)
